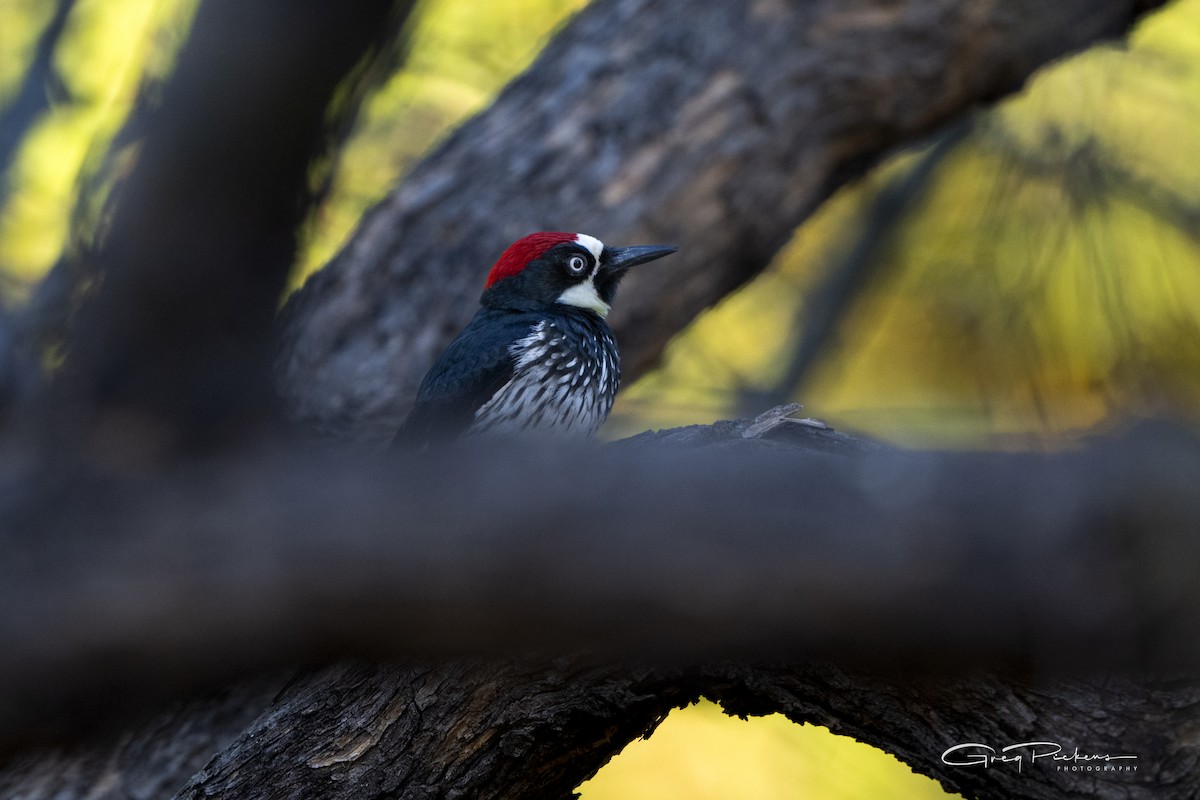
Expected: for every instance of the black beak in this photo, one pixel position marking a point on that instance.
(615, 260)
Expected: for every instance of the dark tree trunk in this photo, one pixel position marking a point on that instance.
(536, 729)
(150, 761)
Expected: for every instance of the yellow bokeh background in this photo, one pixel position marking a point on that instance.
(699, 753)
(1044, 284)
(106, 52)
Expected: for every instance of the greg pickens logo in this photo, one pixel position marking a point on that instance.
(976, 754)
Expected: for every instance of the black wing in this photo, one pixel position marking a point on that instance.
(475, 365)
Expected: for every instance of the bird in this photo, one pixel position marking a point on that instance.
(538, 358)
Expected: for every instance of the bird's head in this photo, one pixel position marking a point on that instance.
(572, 269)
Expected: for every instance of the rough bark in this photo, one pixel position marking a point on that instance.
(535, 730)
(719, 131)
(152, 760)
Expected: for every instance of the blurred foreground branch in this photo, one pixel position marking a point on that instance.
(767, 548)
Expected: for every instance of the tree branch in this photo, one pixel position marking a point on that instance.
(154, 759)
(1051, 563)
(173, 349)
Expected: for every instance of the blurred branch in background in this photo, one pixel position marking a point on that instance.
(12, 371)
(176, 338)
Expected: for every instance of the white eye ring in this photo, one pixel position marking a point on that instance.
(576, 264)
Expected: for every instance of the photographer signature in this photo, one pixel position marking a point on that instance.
(974, 754)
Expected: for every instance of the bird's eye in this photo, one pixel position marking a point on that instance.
(576, 264)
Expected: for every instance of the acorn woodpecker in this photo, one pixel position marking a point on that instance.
(538, 357)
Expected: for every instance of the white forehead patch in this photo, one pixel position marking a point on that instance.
(594, 245)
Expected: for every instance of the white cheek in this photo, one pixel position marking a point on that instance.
(584, 295)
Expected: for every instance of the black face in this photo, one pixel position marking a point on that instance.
(568, 273)
(544, 280)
